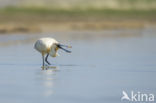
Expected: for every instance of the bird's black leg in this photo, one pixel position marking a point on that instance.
(42, 61)
(46, 59)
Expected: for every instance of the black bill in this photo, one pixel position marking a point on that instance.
(61, 47)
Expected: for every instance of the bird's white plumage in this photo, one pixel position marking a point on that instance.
(49, 46)
(46, 45)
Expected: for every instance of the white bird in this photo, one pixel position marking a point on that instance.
(50, 47)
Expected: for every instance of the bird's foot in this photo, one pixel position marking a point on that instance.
(45, 67)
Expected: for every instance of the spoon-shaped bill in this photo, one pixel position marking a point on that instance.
(64, 49)
(67, 46)
(61, 47)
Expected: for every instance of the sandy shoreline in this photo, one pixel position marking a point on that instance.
(15, 27)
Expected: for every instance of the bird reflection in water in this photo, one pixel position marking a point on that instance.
(48, 76)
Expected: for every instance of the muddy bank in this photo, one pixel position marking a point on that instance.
(28, 27)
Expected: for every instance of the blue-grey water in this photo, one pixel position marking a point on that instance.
(102, 65)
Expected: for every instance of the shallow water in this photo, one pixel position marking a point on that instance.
(101, 65)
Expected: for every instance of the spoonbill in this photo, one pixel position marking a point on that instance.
(50, 47)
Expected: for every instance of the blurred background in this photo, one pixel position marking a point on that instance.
(66, 15)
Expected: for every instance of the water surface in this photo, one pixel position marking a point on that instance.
(101, 65)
